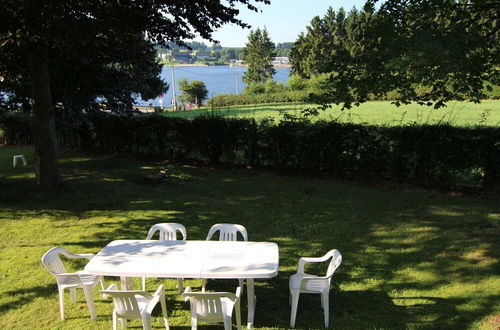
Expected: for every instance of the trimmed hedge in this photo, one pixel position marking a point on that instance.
(222, 100)
(438, 156)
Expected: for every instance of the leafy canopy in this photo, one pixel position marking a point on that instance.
(429, 52)
(194, 92)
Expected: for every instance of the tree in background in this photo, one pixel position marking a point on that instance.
(83, 79)
(258, 54)
(427, 51)
(283, 48)
(32, 32)
(194, 92)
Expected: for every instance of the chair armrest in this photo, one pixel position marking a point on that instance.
(186, 292)
(68, 278)
(304, 260)
(160, 291)
(70, 255)
(109, 290)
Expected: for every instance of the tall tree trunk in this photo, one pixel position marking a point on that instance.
(47, 168)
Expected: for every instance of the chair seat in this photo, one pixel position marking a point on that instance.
(77, 280)
(308, 283)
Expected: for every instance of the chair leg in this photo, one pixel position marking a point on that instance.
(103, 287)
(194, 321)
(89, 297)
(124, 323)
(242, 285)
(227, 323)
(295, 302)
(72, 293)
(146, 321)
(163, 304)
(237, 310)
(179, 285)
(115, 321)
(326, 307)
(203, 285)
(61, 303)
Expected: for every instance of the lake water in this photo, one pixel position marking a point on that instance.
(218, 79)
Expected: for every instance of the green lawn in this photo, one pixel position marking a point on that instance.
(375, 113)
(412, 259)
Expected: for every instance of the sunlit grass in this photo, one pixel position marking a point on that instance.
(374, 113)
(411, 259)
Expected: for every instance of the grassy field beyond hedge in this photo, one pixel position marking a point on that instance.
(411, 259)
(374, 113)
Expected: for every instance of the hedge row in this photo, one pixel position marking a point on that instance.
(438, 156)
(222, 100)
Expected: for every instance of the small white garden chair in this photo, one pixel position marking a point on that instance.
(17, 158)
(167, 232)
(71, 281)
(227, 232)
(136, 305)
(214, 307)
(306, 283)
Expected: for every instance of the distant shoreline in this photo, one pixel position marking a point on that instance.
(232, 65)
(185, 64)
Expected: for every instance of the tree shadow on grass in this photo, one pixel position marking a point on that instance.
(400, 249)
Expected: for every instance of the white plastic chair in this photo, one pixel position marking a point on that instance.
(214, 307)
(15, 158)
(306, 283)
(71, 281)
(167, 232)
(136, 305)
(227, 232)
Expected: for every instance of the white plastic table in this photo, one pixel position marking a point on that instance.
(188, 259)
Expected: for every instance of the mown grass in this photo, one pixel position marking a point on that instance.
(411, 259)
(374, 113)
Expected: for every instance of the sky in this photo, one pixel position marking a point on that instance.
(283, 19)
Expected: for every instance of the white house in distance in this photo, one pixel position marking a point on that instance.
(281, 60)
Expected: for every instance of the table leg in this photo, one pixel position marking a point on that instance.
(251, 302)
(126, 283)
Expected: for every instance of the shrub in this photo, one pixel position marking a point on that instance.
(16, 128)
(296, 83)
(223, 100)
(427, 155)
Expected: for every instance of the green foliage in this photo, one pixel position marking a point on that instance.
(269, 87)
(296, 83)
(426, 51)
(16, 128)
(257, 97)
(42, 38)
(194, 92)
(258, 54)
(435, 156)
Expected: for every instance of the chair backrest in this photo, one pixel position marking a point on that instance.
(210, 306)
(168, 231)
(125, 302)
(52, 261)
(334, 263)
(228, 232)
